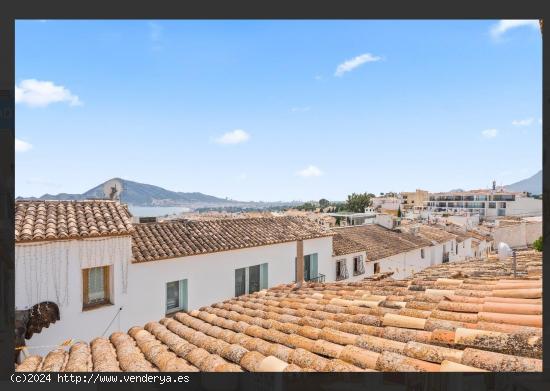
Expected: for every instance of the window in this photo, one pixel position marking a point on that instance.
(310, 267)
(251, 279)
(176, 296)
(96, 283)
(341, 270)
(358, 265)
(422, 253)
(376, 268)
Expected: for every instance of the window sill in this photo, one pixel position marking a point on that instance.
(91, 307)
(173, 313)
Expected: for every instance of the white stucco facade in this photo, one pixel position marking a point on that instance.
(405, 264)
(211, 277)
(52, 271)
(518, 235)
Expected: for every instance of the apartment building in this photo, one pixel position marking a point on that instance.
(489, 204)
(416, 199)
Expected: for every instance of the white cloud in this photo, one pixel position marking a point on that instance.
(22, 146)
(236, 136)
(37, 93)
(353, 63)
(507, 24)
(522, 122)
(489, 133)
(300, 109)
(310, 171)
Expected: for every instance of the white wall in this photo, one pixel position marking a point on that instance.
(518, 235)
(211, 277)
(464, 249)
(349, 262)
(52, 271)
(524, 206)
(402, 265)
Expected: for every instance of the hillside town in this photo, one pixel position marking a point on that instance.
(412, 282)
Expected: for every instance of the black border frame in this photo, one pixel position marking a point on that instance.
(243, 9)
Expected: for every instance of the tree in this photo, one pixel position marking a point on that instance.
(399, 212)
(323, 202)
(537, 244)
(357, 202)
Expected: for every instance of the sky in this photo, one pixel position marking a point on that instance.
(277, 110)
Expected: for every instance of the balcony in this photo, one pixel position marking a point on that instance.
(320, 278)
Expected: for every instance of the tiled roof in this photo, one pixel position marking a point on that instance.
(377, 241)
(51, 220)
(490, 323)
(183, 238)
(528, 264)
(436, 234)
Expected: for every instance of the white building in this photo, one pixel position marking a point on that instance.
(488, 204)
(517, 233)
(362, 251)
(106, 274)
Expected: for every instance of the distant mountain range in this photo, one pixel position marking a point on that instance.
(141, 194)
(532, 184)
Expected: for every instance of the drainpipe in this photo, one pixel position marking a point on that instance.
(299, 263)
(514, 262)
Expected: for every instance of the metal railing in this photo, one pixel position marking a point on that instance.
(320, 278)
(343, 274)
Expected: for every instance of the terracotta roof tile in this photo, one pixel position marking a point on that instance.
(51, 220)
(183, 238)
(327, 327)
(377, 241)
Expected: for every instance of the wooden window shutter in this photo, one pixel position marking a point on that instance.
(106, 284)
(85, 286)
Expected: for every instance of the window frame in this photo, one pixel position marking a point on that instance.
(86, 304)
(182, 299)
(344, 276)
(358, 265)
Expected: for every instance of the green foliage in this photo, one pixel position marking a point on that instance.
(323, 203)
(308, 207)
(399, 212)
(537, 244)
(358, 202)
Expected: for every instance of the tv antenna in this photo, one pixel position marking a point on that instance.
(112, 189)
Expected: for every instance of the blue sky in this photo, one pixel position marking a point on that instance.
(277, 110)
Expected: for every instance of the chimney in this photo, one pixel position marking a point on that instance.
(299, 263)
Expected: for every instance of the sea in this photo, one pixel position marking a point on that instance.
(156, 211)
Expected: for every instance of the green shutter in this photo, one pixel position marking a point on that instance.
(183, 294)
(313, 267)
(264, 281)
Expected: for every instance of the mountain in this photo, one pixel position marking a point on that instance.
(141, 194)
(532, 184)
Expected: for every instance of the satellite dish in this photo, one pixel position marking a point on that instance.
(504, 251)
(112, 189)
